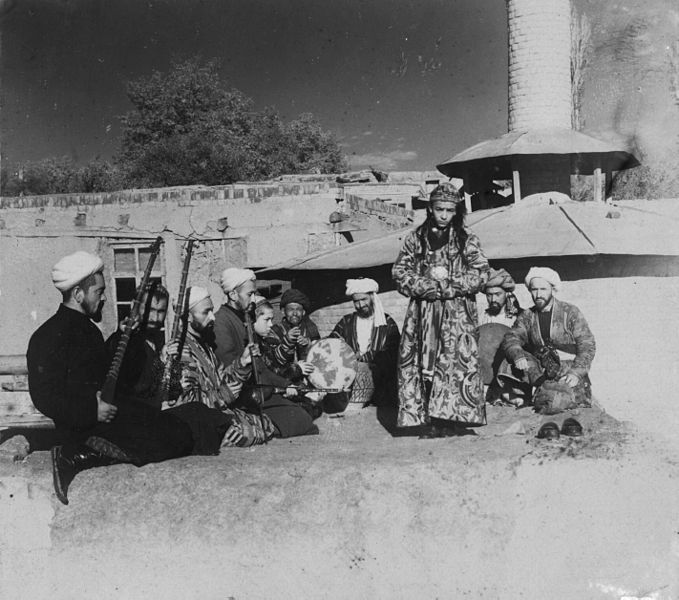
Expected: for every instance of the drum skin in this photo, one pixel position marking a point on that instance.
(490, 353)
(335, 364)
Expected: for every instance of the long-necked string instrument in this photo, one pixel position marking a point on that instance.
(249, 311)
(108, 391)
(180, 315)
(259, 391)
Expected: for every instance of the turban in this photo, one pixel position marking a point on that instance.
(445, 192)
(368, 286)
(549, 275)
(72, 269)
(196, 295)
(234, 277)
(293, 295)
(500, 278)
(362, 286)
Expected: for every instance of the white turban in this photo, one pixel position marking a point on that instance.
(362, 286)
(549, 275)
(233, 277)
(368, 286)
(197, 294)
(72, 269)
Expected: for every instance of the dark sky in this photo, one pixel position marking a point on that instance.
(404, 84)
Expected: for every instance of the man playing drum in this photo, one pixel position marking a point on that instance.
(373, 335)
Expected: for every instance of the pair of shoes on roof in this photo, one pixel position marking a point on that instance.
(550, 430)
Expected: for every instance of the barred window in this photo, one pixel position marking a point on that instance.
(129, 264)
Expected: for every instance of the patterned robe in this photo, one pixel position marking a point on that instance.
(219, 386)
(309, 331)
(439, 341)
(569, 334)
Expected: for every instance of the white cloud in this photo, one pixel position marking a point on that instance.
(386, 161)
(367, 132)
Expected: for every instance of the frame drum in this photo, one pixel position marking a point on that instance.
(335, 364)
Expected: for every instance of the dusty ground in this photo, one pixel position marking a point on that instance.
(358, 513)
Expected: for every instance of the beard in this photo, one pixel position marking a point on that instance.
(365, 313)
(95, 313)
(494, 309)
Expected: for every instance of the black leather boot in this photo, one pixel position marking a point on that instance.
(69, 460)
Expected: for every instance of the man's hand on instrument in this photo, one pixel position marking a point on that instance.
(294, 334)
(105, 412)
(131, 322)
(521, 363)
(250, 351)
(189, 378)
(233, 436)
(171, 349)
(306, 367)
(570, 379)
(291, 392)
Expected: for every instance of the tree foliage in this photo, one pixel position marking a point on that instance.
(647, 181)
(59, 176)
(188, 128)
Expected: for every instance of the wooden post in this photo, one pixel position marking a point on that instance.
(467, 195)
(516, 186)
(597, 185)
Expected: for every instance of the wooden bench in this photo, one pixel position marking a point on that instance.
(16, 409)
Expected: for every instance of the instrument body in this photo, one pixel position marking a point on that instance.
(109, 388)
(259, 392)
(335, 364)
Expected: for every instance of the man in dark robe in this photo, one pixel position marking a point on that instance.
(373, 335)
(230, 336)
(142, 369)
(67, 366)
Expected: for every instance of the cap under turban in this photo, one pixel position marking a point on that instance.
(72, 269)
(196, 295)
(446, 192)
(368, 286)
(293, 295)
(234, 277)
(549, 275)
(500, 278)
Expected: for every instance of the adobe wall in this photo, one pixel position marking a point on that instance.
(248, 225)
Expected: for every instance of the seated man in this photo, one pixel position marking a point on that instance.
(230, 335)
(296, 323)
(205, 379)
(494, 321)
(294, 333)
(142, 369)
(374, 337)
(503, 307)
(67, 367)
(275, 374)
(550, 345)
